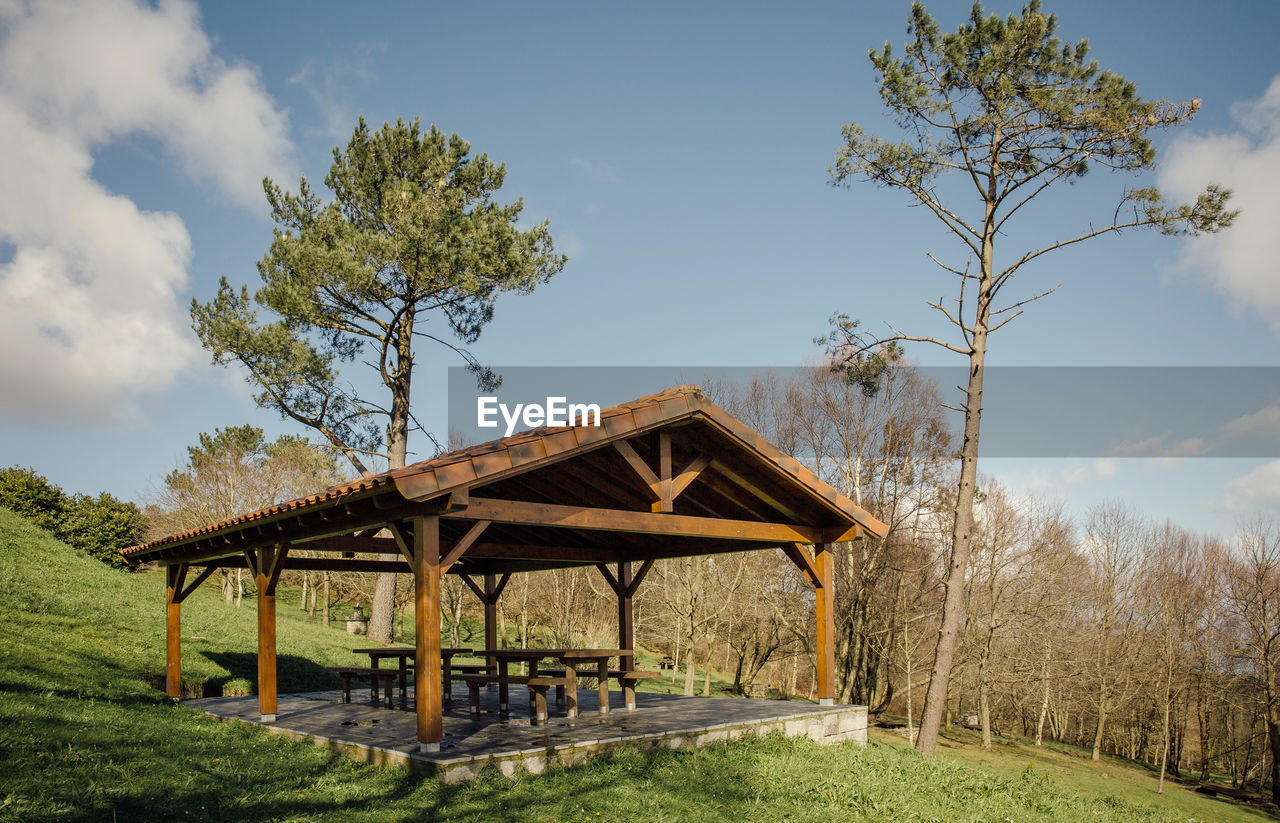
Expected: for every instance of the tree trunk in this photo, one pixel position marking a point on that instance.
(1097, 737)
(324, 620)
(935, 698)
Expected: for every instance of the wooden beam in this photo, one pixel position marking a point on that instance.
(610, 579)
(666, 500)
(491, 618)
(195, 584)
(463, 544)
(266, 634)
(398, 537)
(688, 474)
(826, 629)
(426, 625)
(503, 580)
(277, 566)
(644, 570)
(626, 614)
(801, 558)
(173, 632)
(471, 584)
(578, 517)
(641, 468)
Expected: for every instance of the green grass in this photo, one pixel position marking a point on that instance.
(84, 736)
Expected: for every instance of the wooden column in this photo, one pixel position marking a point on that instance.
(266, 634)
(491, 619)
(626, 615)
(173, 632)
(826, 648)
(426, 624)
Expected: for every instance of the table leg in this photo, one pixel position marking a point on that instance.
(571, 689)
(404, 682)
(446, 679)
(603, 673)
(373, 679)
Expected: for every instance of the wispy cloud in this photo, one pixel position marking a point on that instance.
(1258, 489)
(89, 310)
(1242, 259)
(597, 170)
(335, 84)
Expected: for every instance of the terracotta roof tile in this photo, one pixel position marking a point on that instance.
(484, 460)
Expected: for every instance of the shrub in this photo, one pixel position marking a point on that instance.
(97, 526)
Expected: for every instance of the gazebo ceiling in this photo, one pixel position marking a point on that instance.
(670, 474)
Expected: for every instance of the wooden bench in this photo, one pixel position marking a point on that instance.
(538, 686)
(451, 673)
(627, 679)
(387, 676)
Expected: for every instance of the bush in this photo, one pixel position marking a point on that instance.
(97, 526)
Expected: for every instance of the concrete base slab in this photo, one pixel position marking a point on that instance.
(387, 736)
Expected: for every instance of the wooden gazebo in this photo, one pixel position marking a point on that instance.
(668, 475)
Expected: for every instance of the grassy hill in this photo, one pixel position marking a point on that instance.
(84, 736)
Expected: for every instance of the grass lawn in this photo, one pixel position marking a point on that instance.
(84, 736)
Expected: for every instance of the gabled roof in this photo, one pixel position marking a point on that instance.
(748, 478)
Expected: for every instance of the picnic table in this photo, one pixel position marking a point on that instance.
(405, 654)
(570, 659)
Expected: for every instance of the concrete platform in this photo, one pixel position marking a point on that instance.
(375, 734)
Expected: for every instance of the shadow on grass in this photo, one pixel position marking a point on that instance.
(293, 673)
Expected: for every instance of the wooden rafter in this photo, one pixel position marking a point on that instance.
(650, 480)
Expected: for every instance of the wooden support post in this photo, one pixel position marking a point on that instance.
(173, 632)
(626, 615)
(491, 619)
(263, 574)
(426, 624)
(826, 648)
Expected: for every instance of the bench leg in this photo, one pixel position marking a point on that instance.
(629, 693)
(389, 687)
(346, 686)
(571, 692)
(474, 689)
(539, 694)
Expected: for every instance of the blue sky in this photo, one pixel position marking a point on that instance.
(680, 153)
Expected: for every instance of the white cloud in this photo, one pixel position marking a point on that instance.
(90, 315)
(1242, 259)
(1258, 489)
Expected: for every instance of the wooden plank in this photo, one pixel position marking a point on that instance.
(426, 619)
(578, 517)
(801, 558)
(173, 633)
(266, 635)
(641, 468)
(463, 544)
(826, 629)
